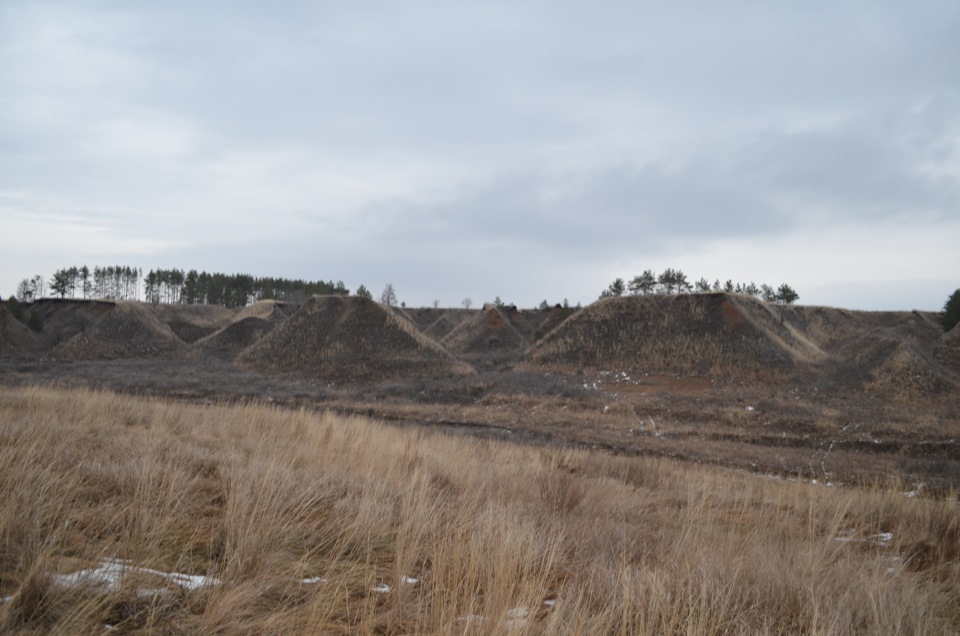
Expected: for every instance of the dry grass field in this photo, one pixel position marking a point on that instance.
(136, 515)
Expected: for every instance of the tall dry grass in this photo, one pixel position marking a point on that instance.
(310, 524)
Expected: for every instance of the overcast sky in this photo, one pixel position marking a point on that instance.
(525, 149)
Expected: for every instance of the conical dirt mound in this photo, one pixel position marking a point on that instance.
(248, 327)
(192, 322)
(129, 330)
(489, 331)
(948, 349)
(349, 339)
(15, 337)
(65, 318)
(908, 373)
(720, 335)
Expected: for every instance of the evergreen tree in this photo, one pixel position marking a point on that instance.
(786, 295)
(644, 283)
(616, 288)
(950, 316)
(363, 292)
(60, 283)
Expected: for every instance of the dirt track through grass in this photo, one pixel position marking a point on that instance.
(311, 523)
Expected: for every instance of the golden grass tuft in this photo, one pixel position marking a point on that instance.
(309, 523)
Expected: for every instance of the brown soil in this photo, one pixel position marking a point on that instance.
(15, 337)
(192, 322)
(63, 319)
(713, 377)
(490, 330)
(348, 339)
(947, 350)
(126, 330)
(718, 335)
(245, 329)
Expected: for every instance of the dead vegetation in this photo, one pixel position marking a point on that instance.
(337, 339)
(716, 378)
(147, 516)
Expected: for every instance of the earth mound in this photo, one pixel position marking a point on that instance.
(490, 330)
(552, 320)
(15, 337)
(127, 330)
(349, 339)
(909, 373)
(63, 318)
(192, 322)
(717, 334)
(247, 327)
(948, 349)
(888, 349)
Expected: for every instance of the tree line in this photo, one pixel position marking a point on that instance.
(674, 281)
(173, 286)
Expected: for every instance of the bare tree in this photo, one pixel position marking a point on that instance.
(38, 284)
(25, 290)
(436, 303)
(467, 303)
(389, 295)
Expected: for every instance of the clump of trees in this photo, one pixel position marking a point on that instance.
(230, 290)
(119, 282)
(173, 286)
(674, 281)
(950, 316)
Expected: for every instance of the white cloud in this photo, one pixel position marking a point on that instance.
(449, 147)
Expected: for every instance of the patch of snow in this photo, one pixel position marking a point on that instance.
(517, 612)
(749, 408)
(550, 602)
(110, 572)
(6, 599)
(471, 618)
(406, 580)
(313, 579)
(883, 538)
(382, 588)
(847, 537)
(606, 409)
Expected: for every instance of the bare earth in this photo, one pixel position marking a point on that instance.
(808, 392)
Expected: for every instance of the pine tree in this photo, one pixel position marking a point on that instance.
(950, 316)
(786, 295)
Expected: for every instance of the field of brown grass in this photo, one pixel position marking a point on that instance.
(142, 515)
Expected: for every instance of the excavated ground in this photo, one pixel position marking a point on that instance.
(804, 392)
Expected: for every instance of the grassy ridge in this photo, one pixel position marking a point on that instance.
(268, 501)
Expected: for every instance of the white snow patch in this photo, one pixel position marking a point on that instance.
(407, 580)
(471, 618)
(313, 579)
(382, 588)
(883, 538)
(880, 539)
(749, 408)
(110, 572)
(517, 612)
(550, 602)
